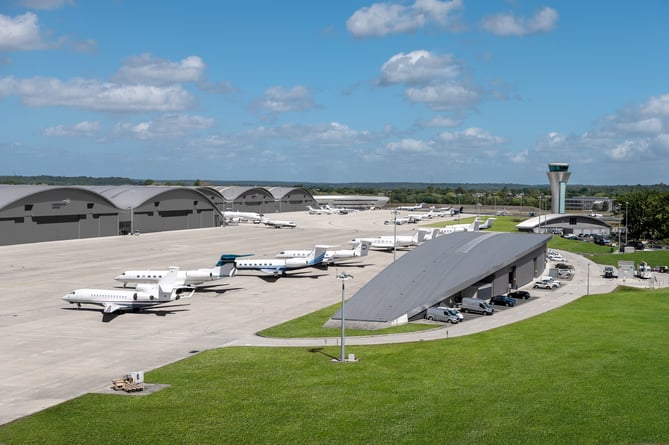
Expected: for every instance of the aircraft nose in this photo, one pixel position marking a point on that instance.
(68, 297)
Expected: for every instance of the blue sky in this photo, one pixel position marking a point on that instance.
(339, 91)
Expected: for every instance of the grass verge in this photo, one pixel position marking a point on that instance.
(592, 372)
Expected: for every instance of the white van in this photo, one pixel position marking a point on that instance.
(442, 314)
(476, 305)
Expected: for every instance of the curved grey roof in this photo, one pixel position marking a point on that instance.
(12, 193)
(133, 196)
(558, 218)
(231, 193)
(436, 269)
(280, 192)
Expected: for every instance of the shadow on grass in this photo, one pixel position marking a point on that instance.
(320, 351)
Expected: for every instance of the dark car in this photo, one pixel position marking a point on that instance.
(520, 295)
(502, 300)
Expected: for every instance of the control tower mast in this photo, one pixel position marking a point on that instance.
(558, 175)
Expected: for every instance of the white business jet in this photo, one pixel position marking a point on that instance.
(395, 242)
(278, 224)
(192, 278)
(319, 211)
(411, 208)
(242, 216)
(143, 296)
(331, 256)
(276, 266)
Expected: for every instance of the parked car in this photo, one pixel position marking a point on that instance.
(609, 272)
(520, 294)
(551, 279)
(545, 284)
(503, 300)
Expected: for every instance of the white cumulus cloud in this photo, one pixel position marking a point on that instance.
(146, 68)
(20, 33)
(381, 19)
(84, 128)
(418, 67)
(508, 24)
(165, 126)
(278, 99)
(95, 95)
(443, 97)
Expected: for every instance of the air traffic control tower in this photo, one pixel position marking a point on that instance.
(558, 175)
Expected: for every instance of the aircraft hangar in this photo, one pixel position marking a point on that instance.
(443, 271)
(34, 213)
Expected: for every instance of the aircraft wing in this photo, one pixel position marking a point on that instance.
(111, 307)
(274, 271)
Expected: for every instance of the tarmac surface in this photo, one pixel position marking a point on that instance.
(52, 352)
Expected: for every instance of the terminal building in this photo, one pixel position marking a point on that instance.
(359, 202)
(560, 222)
(443, 271)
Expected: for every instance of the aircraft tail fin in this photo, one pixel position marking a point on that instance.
(362, 248)
(225, 270)
(317, 255)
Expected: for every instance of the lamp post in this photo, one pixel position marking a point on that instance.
(343, 277)
(521, 203)
(132, 222)
(394, 234)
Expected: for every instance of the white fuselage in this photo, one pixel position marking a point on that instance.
(277, 266)
(187, 277)
(330, 255)
(144, 295)
(389, 242)
(114, 300)
(278, 224)
(242, 216)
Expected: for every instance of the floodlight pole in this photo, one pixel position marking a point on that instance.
(343, 277)
(394, 234)
(626, 229)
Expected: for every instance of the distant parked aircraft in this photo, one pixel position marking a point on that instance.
(242, 216)
(278, 224)
(395, 242)
(412, 208)
(331, 256)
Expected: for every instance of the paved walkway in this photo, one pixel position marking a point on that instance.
(587, 280)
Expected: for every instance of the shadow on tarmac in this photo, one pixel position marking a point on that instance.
(161, 311)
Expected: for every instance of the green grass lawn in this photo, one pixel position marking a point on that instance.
(592, 372)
